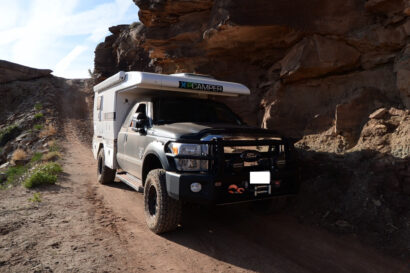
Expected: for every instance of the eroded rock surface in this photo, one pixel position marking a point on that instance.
(15, 72)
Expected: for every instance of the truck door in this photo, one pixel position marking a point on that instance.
(133, 145)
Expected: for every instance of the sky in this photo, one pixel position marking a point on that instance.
(60, 35)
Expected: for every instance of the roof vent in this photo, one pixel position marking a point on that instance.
(193, 75)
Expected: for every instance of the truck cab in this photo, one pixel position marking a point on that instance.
(178, 146)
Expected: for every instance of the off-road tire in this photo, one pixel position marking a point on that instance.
(165, 213)
(105, 175)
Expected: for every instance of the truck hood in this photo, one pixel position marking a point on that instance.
(188, 130)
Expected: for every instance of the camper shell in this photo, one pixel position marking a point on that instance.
(194, 162)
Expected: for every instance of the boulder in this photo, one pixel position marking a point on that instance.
(378, 114)
(15, 72)
(352, 114)
(317, 56)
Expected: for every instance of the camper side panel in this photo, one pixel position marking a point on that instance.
(104, 121)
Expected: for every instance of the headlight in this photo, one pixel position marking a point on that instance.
(190, 149)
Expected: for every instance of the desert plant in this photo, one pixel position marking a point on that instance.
(43, 174)
(38, 115)
(38, 127)
(53, 146)
(36, 197)
(36, 157)
(38, 106)
(49, 130)
(13, 174)
(19, 154)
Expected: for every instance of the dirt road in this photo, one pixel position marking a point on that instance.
(225, 239)
(228, 239)
(82, 226)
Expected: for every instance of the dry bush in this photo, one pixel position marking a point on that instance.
(51, 156)
(49, 130)
(19, 154)
(53, 146)
(51, 143)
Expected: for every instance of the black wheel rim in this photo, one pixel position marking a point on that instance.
(152, 201)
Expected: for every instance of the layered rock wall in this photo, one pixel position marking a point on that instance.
(15, 72)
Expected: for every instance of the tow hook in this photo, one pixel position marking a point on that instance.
(234, 189)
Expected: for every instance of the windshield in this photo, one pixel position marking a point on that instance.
(193, 110)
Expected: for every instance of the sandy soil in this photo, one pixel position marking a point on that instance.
(81, 226)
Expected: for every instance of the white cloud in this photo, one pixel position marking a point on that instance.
(9, 14)
(56, 35)
(64, 63)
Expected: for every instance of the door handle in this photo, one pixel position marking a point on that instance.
(125, 137)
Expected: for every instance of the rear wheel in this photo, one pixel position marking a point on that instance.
(105, 175)
(162, 213)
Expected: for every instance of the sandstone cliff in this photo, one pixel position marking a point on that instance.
(333, 74)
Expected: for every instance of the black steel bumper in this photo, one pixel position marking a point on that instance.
(220, 190)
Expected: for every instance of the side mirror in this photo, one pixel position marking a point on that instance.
(139, 121)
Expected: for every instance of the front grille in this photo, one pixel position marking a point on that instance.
(230, 156)
(240, 149)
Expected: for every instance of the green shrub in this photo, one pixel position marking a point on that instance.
(13, 174)
(38, 106)
(52, 167)
(40, 178)
(36, 157)
(36, 197)
(38, 115)
(38, 127)
(43, 174)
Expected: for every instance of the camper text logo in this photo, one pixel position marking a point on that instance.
(201, 86)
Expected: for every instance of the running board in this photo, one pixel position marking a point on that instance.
(131, 181)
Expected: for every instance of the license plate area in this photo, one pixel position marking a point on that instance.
(262, 190)
(259, 178)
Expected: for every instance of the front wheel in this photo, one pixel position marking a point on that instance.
(162, 213)
(105, 175)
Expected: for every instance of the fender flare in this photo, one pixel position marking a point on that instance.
(157, 148)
